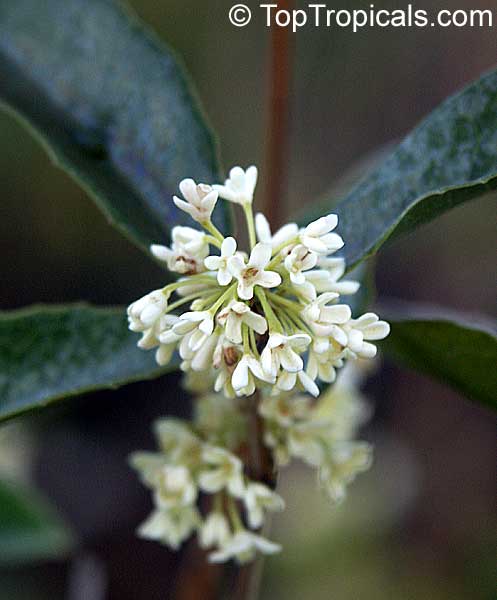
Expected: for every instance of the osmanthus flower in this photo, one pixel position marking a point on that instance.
(237, 314)
(360, 332)
(259, 498)
(178, 475)
(215, 530)
(230, 306)
(187, 253)
(285, 235)
(247, 372)
(171, 527)
(221, 469)
(253, 273)
(300, 259)
(267, 318)
(242, 547)
(199, 202)
(344, 462)
(175, 487)
(220, 263)
(318, 238)
(320, 434)
(240, 185)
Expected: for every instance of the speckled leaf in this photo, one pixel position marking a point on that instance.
(457, 349)
(451, 157)
(111, 105)
(30, 529)
(47, 354)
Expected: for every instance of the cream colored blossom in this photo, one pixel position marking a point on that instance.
(239, 187)
(259, 498)
(242, 547)
(200, 200)
(253, 273)
(221, 469)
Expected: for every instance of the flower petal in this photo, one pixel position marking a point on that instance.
(269, 279)
(260, 255)
(228, 247)
(262, 228)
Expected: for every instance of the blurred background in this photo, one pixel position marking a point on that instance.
(422, 523)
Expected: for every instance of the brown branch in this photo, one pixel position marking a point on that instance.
(198, 579)
(280, 73)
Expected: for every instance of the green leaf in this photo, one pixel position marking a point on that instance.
(30, 529)
(450, 158)
(459, 350)
(47, 354)
(111, 105)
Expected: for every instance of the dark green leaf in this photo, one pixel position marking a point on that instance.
(450, 158)
(30, 529)
(47, 354)
(111, 105)
(457, 349)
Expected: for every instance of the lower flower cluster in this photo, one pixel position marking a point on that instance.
(187, 467)
(199, 482)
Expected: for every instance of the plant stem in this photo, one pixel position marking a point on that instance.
(280, 83)
(249, 216)
(212, 229)
(260, 466)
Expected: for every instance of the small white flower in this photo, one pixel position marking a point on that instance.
(287, 381)
(200, 200)
(161, 335)
(202, 358)
(300, 259)
(222, 469)
(195, 327)
(234, 315)
(253, 273)
(220, 263)
(190, 240)
(175, 487)
(145, 312)
(226, 357)
(177, 441)
(286, 234)
(328, 280)
(149, 466)
(171, 527)
(324, 319)
(323, 364)
(317, 237)
(187, 252)
(257, 498)
(215, 531)
(242, 547)
(305, 441)
(366, 327)
(285, 409)
(347, 460)
(242, 379)
(283, 351)
(240, 186)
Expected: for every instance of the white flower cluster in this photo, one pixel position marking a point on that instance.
(188, 466)
(268, 319)
(198, 481)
